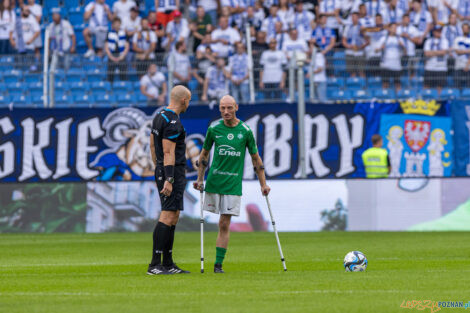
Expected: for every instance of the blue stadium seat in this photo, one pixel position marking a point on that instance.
(4, 100)
(355, 82)
(11, 78)
(374, 82)
(20, 100)
(32, 78)
(15, 87)
(417, 82)
(142, 99)
(37, 99)
(336, 82)
(105, 100)
(63, 100)
(100, 85)
(123, 85)
(125, 99)
(384, 93)
(72, 3)
(75, 16)
(35, 86)
(338, 94)
(450, 93)
(259, 95)
(80, 87)
(465, 93)
(95, 77)
(83, 101)
(430, 94)
(60, 85)
(406, 93)
(361, 94)
(49, 4)
(72, 78)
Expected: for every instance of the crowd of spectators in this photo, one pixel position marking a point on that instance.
(386, 38)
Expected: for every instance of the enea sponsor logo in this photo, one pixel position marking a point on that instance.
(226, 150)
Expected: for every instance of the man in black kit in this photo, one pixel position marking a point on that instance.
(167, 145)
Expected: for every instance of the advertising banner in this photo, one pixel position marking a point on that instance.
(419, 204)
(81, 145)
(418, 145)
(461, 122)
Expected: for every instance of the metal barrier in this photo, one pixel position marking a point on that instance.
(347, 79)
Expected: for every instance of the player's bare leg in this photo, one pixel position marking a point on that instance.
(222, 241)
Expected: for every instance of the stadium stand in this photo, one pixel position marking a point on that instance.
(80, 79)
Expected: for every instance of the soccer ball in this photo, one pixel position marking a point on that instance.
(355, 261)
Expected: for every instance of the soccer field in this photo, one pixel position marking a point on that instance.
(106, 273)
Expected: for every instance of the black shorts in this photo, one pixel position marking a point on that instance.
(388, 75)
(434, 79)
(175, 201)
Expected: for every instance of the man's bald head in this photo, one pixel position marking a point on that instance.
(228, 100)
(180, 96)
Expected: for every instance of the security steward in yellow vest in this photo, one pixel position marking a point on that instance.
(376, 160)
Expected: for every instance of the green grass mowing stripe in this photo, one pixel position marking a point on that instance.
(106, 273)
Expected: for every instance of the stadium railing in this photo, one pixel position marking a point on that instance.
(82, 82)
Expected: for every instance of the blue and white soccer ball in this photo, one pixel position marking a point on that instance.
(355, 261)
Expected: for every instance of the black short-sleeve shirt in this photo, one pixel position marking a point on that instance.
(167, 125)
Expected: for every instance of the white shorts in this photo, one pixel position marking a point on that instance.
(222, 204)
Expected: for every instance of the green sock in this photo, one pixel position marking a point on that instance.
(219, 255)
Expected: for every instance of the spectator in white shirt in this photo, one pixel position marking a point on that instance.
(461, 48)
(177, 30)
(179, 62)
(436, 49)
(7, 24)
(463, 10)
(235, 9)
(411, 37)
(131, 24)
(303, 21)
(144, 43)
(62, 37)
(394, 14)
(238, 66)
(98, 14)
(285, 12)
(375, 7)
(272, 78)
(331, 9)
(122, 9)
(392, 48)
(441, 9)
(354, 42)
(36, 11)
(215, 82)
(153, 86)
(268, 25)
(319, 76)
(224, 38)
(294, 44)
(116, 48)
(421, 19)
(23, 36)
(374, 34)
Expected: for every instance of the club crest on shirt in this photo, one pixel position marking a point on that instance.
(230, 136)
(240, 136)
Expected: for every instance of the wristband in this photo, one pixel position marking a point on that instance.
(169, 171)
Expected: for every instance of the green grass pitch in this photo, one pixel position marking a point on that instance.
(106, 273)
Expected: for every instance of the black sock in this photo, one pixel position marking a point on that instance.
(168, 251)
(161, 235)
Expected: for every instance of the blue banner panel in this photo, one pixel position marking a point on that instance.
(418, 145)
(461, 122)
(71, 145)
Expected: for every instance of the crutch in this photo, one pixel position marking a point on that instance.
(202, 227)
(275, 233)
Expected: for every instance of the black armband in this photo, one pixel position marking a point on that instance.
(258, 168)
(169, 171)
(204, 162)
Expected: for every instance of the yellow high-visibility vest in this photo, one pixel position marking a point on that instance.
(375, 162)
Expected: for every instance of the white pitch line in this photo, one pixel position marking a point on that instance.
(211, 293)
